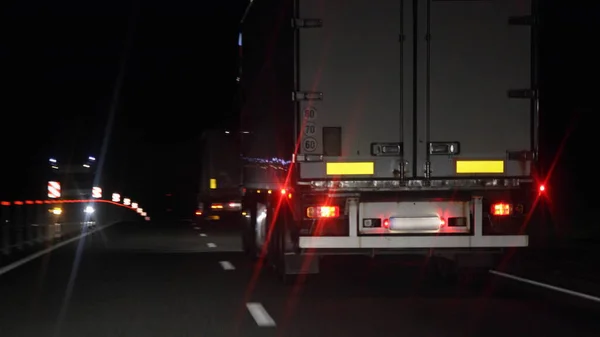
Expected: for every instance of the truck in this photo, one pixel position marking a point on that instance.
(219, 199)
(74, 181)
(388, 127)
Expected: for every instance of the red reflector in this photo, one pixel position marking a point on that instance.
(323, 212)
(386, 223)
(501, 209)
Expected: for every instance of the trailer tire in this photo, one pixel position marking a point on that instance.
(249, 233)
(281, 253)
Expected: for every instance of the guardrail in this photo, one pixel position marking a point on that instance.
(26, 226)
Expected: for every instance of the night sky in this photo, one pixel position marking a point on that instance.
(61, 62)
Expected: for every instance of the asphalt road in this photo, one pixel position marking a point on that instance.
(144, 279)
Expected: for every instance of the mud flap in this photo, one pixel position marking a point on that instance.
(289, 261)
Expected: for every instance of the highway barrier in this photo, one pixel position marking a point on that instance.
(30, 225)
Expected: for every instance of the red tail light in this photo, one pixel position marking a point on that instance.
(386, 223)
(323, 212)
(542, 188)
(501, 209)
(198, 212)
(216, 206)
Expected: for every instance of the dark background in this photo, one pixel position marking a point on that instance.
(60, 66)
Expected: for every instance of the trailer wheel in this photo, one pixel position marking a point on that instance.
(282, 258)
(249, 233)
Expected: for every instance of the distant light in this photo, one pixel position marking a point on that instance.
(96, 192)
(55, 167)
(126, 201)
(52, 160)
(226, 132)
(91, 158)
(86, 165)
(245, 132)
(57, 211)
(89, 210)
(134, 205)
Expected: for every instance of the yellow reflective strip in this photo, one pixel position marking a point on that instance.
(213, 184)
(479, 166)
(358, 168)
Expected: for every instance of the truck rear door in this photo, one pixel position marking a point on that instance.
(413, 88)
(470, 55)
(350, 80)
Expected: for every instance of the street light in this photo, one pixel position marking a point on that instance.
(90, 158)
(86, 165)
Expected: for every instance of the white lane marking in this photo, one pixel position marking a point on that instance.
(211, 245)
(260, 314)
(227, 265)
(547, 286)
(34, 256)
(202, 234)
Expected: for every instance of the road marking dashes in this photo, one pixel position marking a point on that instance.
(260, 314)
(227, 265)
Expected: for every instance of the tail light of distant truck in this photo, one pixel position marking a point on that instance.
(230, 206)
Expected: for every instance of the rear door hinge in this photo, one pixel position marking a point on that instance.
(307, 96)
(521, 155)
(522, 93)
(307, 23)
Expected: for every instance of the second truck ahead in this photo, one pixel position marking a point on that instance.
(219, 198)
(387, 127)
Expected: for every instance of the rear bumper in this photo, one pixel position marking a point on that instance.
(411, 242)
(223, 216)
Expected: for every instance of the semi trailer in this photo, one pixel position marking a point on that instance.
(219, 201)
(388, 127)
